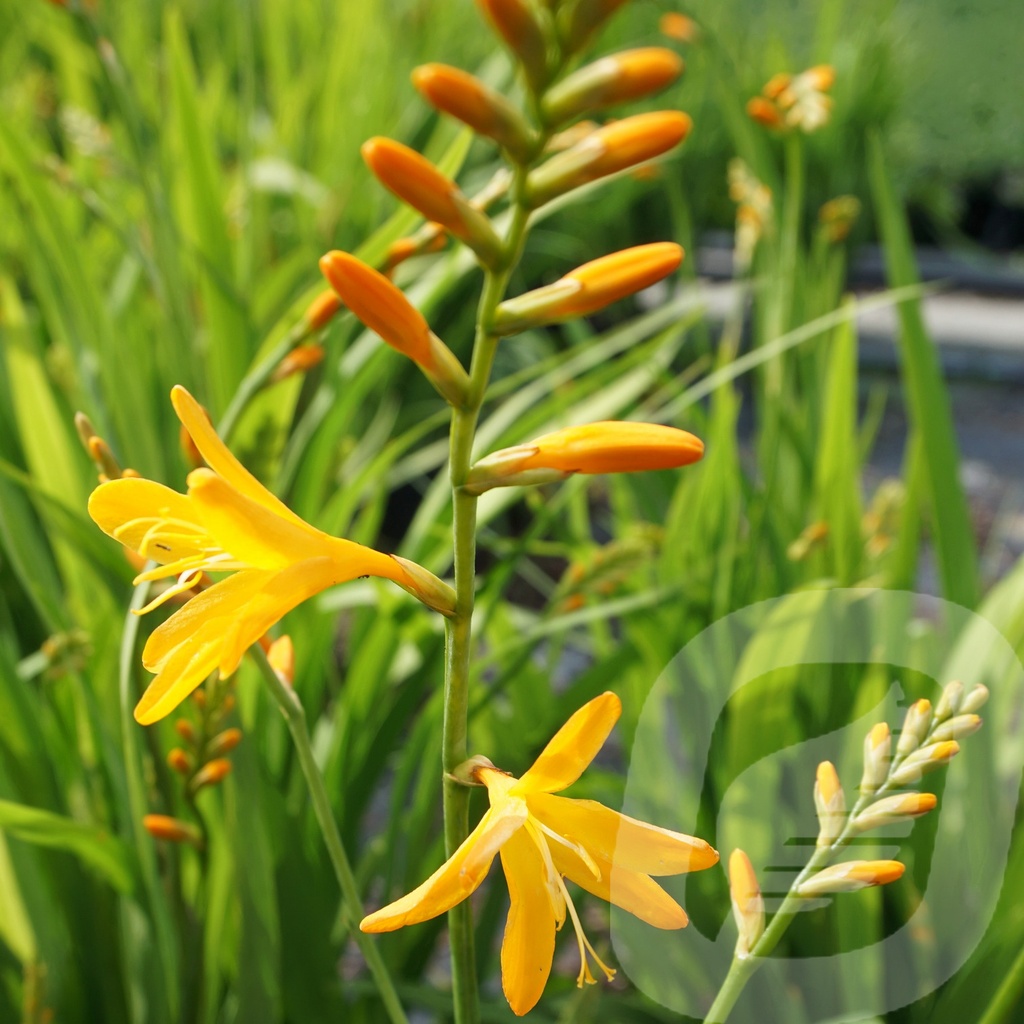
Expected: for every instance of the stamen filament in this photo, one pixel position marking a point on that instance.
(585, 976)
(576, 848)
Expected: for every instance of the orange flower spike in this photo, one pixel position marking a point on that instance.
(467, 99)
(629, 75)
(416, 181)
(516, 23)
(386, 311)
(590, 287)
(612, 148)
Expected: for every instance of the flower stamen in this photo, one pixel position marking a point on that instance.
(585, 976)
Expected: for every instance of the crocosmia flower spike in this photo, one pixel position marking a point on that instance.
(543, 839)
(228, 522)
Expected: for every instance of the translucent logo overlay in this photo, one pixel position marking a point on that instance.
(720, 752)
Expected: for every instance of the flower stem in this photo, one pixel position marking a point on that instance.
(295, 716)
(458, 629)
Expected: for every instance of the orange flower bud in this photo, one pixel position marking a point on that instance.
(281, 656)
(86, 431)
(179, 761)
(624, 76)
(466, 98)
(583, 18)
(184, 728)
(611, 148)
(830, 803)
(777, 85)
(301, 359)
(101, 454)
(949, 702)
(173, 830)
(924, 760)
(416, 181)
(851, 876)
(426, 587)
(224, 742)
(747, 903)
(679, 27)
(589, 288)
(515, 22)
(605, 447)
(976, 699)
(877, 757)
(386, 311)
(822, 77)
(915, 727)
(892, 809)
(210, 774)
(321, 311)
(199, 696)
(764, 112)
(956, 728)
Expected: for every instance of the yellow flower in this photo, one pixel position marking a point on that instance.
(543, 838)
(227, 523)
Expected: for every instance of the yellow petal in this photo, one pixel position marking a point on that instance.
(614, 837)
(219, 604)
(457, 878)
(247, 529)
(573, 747)
(219, 458)
(529, 943)
(139, 502)
(187, 666)
(631, 890)
(278, 596)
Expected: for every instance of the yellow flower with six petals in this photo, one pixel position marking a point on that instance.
(542, 839)
(228, 522)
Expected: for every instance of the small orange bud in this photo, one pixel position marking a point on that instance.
(180, 761)
(877, 757)
(610, 149)
(515, 22)
(764, 112)
(416, 181)
(223, 743)
(892, 809)
(210, 774)
(605, 447)
(829, 802)
(301, 359)
(199, 696)
(321, 311)
(679, 27)
(851, 876)
(184, 728)
(590, 287)
(747, 902)
(173, 830)
(426, 587)
(281, 656)
(584, 18)
(915, 727)
(101, 454)
(624, 76)
(386, 311)
(777, 85)
(822, 77)
(466, 98)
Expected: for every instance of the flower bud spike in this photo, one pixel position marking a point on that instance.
(629, 75)
(605, 447)
(467, 99)
(915, 727)
(589, 288)
(384, 309)
(893, 809)
(416, 181)
(516, 23)
(612, 148)
(747, 903)
(877, 758)
(851, 876)
(830, 804)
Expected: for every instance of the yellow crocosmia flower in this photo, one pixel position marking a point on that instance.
(543, 839)
(228, 522)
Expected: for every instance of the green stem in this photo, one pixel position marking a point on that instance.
(295, 716)
(459, 628)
